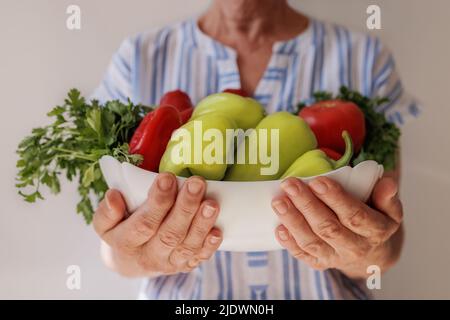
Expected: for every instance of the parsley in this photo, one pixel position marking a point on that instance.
(382, 137)
(81, 133)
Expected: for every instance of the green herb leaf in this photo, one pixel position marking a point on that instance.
(88, 176)
(81, 133)
(382, 137)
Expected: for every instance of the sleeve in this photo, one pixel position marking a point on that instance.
(386, 82)
(117, 83)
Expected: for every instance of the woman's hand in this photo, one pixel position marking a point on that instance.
(325, 227)
(171, 232)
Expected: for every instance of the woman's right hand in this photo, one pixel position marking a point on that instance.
(172, 231)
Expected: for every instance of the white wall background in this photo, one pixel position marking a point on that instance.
(40, 60)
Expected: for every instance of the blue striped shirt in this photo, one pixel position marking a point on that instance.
(324, 57)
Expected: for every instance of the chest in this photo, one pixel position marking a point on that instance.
(252, 66)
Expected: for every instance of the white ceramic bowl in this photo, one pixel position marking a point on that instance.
(246, 217)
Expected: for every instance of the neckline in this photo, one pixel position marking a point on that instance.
(222, 51)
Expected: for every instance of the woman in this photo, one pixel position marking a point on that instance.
(281, 57)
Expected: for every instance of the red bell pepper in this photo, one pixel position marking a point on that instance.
(153, 134)
(328, 119)
(186, 115)
(239, 92)
(177, 98)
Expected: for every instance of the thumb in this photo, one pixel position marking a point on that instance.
(110, 212)
(385, 198)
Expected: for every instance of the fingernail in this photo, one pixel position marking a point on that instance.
(290, 188)
(318, 186)
(395, 193)
(214, 239)
(208, 211)
(194, 187)
(108, 200)
(165, 183)
(395, 196)
(283, 235)
(280, 206)
(193, 263)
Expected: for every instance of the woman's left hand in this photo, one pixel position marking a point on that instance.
(326, 227)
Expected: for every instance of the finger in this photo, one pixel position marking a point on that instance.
(321, 219)
(109, 213)
(352, 213)
(201, 225)
(385, 198)
(174, 228)
(299, 228)
(286, 240)
(210, 245)
(143, 224)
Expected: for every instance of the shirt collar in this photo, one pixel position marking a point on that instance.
(220, 51)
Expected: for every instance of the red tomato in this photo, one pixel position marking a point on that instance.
(177, 98)
(328, 119)
(239, 92)
(153, 134)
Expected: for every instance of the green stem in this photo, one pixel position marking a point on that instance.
(74, 154)
(347, 156)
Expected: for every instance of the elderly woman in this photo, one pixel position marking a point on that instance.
(280, 57)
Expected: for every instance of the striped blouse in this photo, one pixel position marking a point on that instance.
(323, 57)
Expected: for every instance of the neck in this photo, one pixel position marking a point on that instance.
(246, 20)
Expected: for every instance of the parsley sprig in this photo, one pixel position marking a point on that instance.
(81, 133)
